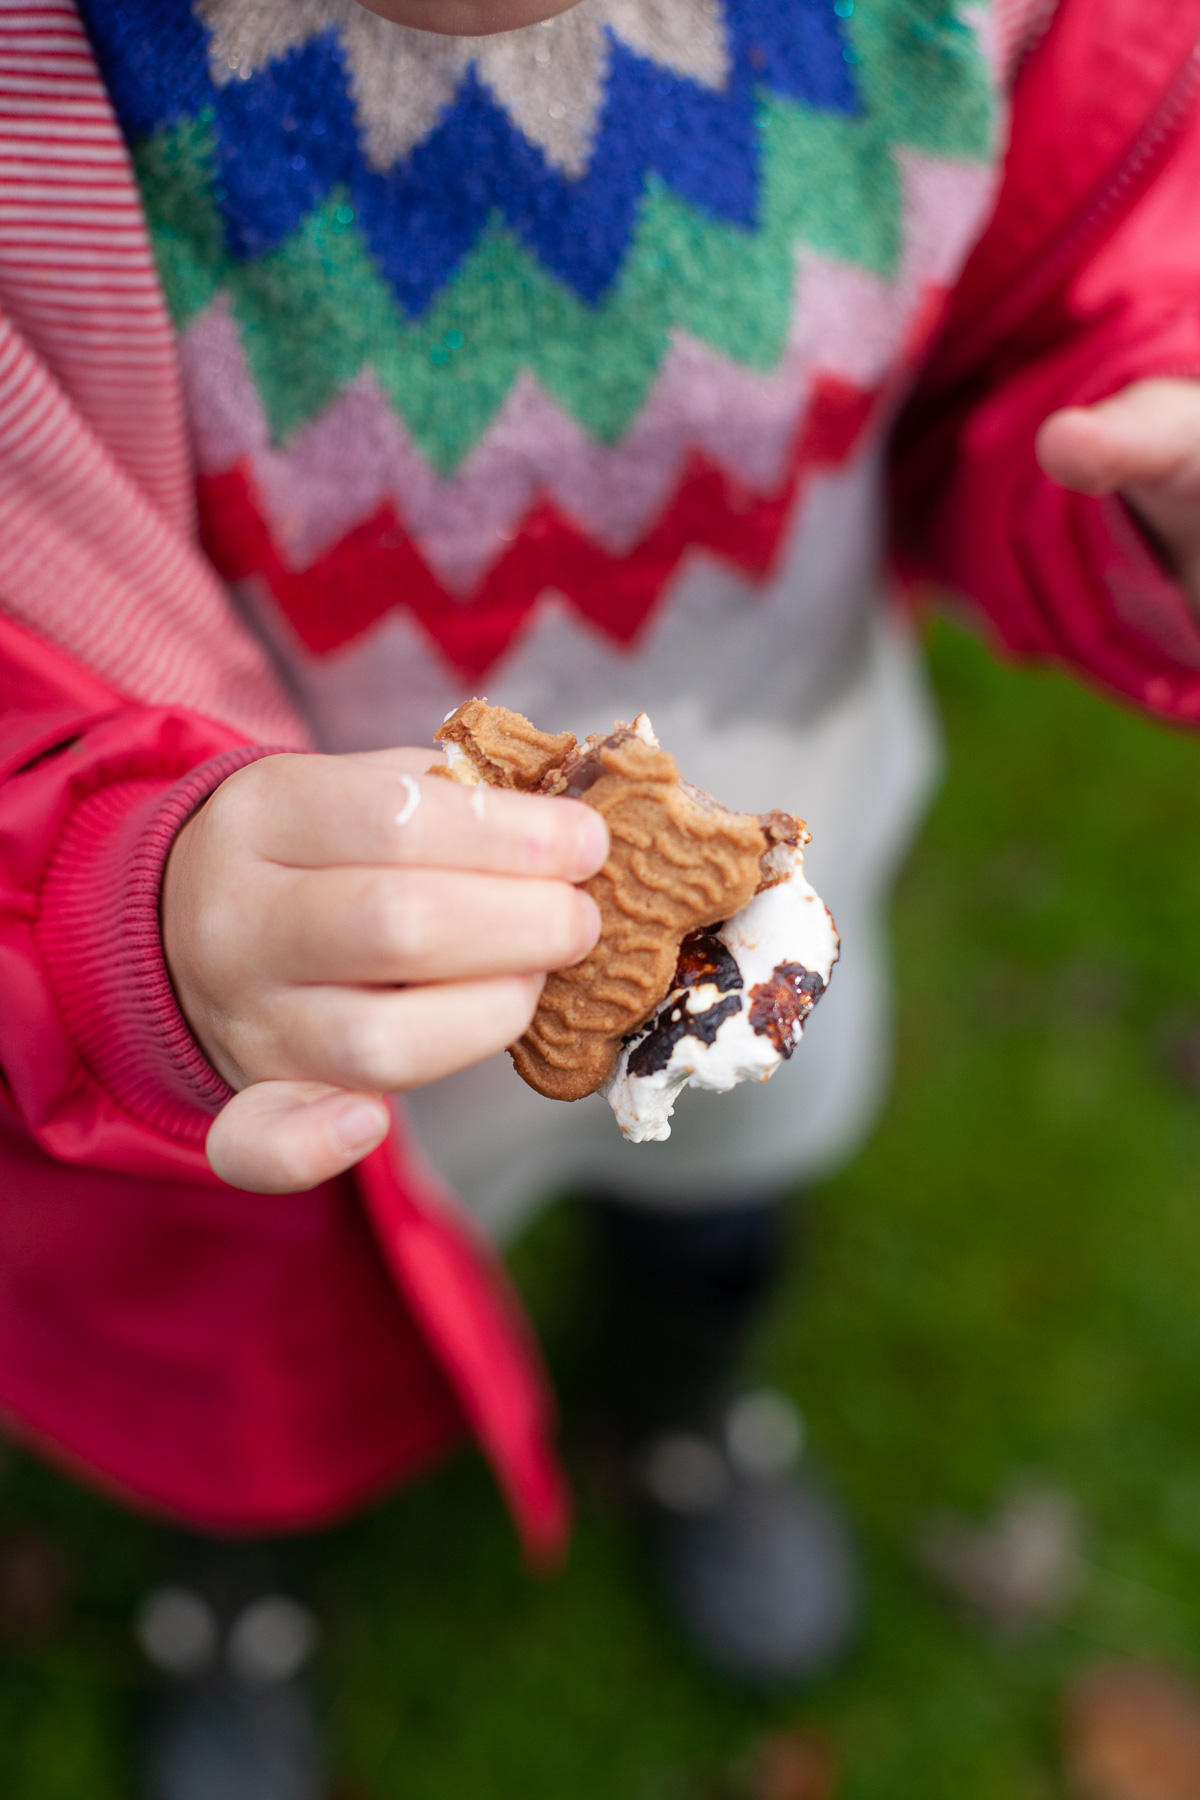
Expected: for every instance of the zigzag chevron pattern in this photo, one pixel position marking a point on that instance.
(377, 566)
(448, 354)
(341, 467)
(314, 313)
(717, 638)
(288, 136)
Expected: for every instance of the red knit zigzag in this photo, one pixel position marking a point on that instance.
(378, 566)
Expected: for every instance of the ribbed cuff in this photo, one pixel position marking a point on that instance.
(98, 928)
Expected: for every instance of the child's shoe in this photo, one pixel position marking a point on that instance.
(232, 1718)
(755, 1558)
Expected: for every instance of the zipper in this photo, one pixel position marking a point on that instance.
(1119, 190)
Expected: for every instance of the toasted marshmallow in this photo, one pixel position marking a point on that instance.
(742, 995)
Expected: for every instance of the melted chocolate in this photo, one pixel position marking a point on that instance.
(779, 1007)
(583, 768)
(782, 828)
(703, 957)
(585, 775)
(675, 1022)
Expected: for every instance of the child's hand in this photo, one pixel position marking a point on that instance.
(1144, 441)
(307, 906)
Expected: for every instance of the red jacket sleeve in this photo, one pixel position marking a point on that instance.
(1057, 574)
(97, 1062)
(270, 1422)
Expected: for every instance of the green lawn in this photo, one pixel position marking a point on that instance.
(1007, 1281)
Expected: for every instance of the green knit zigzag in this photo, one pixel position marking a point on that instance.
(315, 311)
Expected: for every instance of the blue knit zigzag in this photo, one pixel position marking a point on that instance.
(287, 136)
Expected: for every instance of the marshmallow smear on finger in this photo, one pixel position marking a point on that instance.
(713, 947)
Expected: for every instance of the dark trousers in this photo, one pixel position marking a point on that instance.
(677, 1296)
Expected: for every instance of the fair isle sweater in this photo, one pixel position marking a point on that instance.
(510, 363)
(553, 366)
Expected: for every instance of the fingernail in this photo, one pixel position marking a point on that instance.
(359, 1127)
(593, 841)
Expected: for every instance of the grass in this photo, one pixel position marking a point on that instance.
(1005, 1282)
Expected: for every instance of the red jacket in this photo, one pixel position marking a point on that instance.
(251, 1361)
(1087, 278)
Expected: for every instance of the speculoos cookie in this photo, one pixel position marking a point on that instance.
(679, 862)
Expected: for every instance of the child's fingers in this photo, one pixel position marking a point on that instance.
(280, 1137)
(325, 811)
(1149, 432)
(386, 1040)
(394, 925)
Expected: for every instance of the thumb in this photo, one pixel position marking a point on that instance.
(1149, 432)
(280, 1137)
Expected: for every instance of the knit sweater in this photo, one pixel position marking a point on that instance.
(552, 364)
(490, 345)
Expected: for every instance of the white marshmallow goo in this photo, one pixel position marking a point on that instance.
(743, 993)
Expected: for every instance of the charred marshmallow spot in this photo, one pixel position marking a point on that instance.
(673, 1023)
(780, 1006)
(704, 958)
(743, 992)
